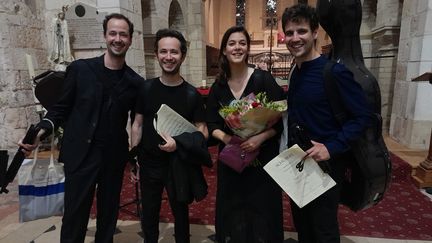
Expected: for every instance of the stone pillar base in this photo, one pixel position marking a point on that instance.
(422, 177)
(423, 174)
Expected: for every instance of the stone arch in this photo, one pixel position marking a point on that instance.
(182, 16)
(176, 20)
(175, 16)
(147, 8)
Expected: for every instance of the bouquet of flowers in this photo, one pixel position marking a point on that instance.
(255, 113)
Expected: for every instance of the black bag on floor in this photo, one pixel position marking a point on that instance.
(369, 171)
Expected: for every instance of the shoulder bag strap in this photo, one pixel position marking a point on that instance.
(333, 93)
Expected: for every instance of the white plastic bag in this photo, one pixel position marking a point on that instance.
(41, 188)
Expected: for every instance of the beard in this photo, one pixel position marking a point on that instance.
(112, 51)
(173, 71)
(117, 54)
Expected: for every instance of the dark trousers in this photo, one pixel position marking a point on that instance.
(80, 186)
(151, 198)
(317, 222)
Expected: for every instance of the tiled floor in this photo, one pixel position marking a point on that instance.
(47, 230)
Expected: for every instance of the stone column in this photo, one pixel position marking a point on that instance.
(411, 117)
(196, 37)
(383, 56)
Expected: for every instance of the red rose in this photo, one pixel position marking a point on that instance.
(255, 104)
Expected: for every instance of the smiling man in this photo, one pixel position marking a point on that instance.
(309, 108)
(158, 153)
(97, 95)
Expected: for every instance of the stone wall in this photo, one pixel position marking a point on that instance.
(22, 32)
(185, 16)
(26, 27)
(383, 55)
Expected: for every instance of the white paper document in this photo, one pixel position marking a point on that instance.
(170, 122)
(301, 186)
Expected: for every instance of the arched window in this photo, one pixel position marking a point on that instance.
(240, 12)
(270, 18)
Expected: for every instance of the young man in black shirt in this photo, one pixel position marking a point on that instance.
(157, 151)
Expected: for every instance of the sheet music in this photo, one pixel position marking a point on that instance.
(302, 187)
(171, 123)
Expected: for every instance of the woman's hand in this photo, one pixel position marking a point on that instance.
(170, 145)
(226, 139)
(253, 143)
(221, 136)
(233, 121)
(274, 121)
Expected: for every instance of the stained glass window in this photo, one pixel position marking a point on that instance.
(240, 12)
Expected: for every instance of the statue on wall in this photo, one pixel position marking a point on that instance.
(60, 52)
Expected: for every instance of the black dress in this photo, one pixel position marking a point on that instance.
(249, 204)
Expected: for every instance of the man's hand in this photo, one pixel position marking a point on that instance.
(133, 153)
(28, 148)
(134, 173)
(318, 152)
(170, 145)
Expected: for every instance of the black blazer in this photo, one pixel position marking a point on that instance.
(79, 108)
(187, 182)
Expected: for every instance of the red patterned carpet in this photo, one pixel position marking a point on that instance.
(404, 213)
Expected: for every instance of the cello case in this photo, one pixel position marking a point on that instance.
(369, 174)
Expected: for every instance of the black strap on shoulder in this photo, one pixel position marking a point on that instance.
(147, 86)
(333, 95)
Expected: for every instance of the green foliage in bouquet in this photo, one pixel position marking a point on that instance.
(261, 98)
(239, 107)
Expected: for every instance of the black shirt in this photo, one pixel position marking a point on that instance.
(111, 79)
(183, 98)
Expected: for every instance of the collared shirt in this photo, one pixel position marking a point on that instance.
(309, 107)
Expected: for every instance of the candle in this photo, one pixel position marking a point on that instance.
(29, 60)
(30, 65)
(203, 83)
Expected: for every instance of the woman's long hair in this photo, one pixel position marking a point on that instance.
(224, 68)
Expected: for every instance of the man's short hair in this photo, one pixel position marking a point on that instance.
(117, 16)
(299, 13)
(162, 33)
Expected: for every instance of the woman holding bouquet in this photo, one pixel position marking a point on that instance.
(249, 203)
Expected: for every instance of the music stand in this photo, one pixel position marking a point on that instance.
(136, 200)
(427, 76)
(423, 173)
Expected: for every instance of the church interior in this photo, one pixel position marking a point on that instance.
(394, 38)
